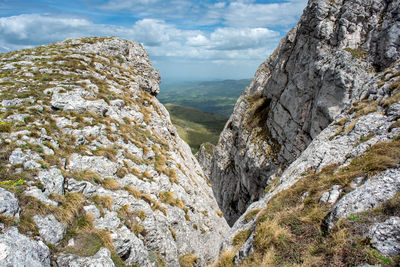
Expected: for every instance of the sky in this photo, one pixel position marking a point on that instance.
(186, 40)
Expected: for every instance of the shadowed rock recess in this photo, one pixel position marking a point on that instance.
(92, 171)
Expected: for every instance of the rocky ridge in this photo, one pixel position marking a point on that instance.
(329, 60)
(92, 170)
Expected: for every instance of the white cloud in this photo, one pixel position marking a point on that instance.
(197, 40)
(242, 38)
(250, 14)
(160, 9)
(152, 32)
(33, 29)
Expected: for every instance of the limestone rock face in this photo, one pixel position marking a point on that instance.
(101, 258)
(361, 146)
(132, 55)
(324, 64)
(91, 152)
(204, 156)
(326, 153)
(19, 250)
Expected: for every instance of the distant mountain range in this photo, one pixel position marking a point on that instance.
(217, 97)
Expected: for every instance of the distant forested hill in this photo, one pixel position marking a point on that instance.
(217, 97)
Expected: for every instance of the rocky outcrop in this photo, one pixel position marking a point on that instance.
(329, 157)
(91, 164)
(324, 64)
(345, 182)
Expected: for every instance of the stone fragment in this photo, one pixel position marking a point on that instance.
(109, 221)
(31, 164)
(83, 187)
(35, 192)
(51, 230)
(331, 196)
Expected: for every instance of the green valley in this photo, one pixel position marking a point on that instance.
(217, 97)
(195, 126)
(199, 110)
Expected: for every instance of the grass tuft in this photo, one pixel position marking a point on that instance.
(188, 260)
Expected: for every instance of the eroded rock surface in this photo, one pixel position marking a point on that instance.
(18, 250)
(315, 138)
(92, 153)
(324, 64)
(101, 258)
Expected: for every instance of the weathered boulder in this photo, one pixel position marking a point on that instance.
(8, 204)
(385, 236)
(130, 247)
(101, 258)
(373, 192)
(51, 230)
(52, 180)
(18, 250)
(73, 101)
(100, 165)
(17, 157)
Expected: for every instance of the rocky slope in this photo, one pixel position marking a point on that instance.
(316, 138)
(92, 170)
(329, 60)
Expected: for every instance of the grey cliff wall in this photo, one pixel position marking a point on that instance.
(319, 69)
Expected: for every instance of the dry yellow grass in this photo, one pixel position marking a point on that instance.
(188, 260)
(226, 259)
(169, 198)
(219, 213)
(251, 214)
(104, 201)
(240, 237)
(133, 191)
(110, 184)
